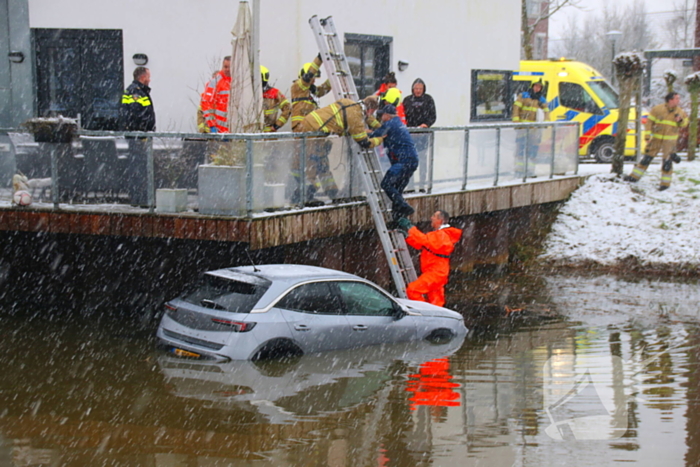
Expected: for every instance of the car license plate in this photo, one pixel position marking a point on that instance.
(184, 353)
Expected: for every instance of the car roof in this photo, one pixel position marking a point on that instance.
(289, 274)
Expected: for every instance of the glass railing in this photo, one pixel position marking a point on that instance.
(245, 175)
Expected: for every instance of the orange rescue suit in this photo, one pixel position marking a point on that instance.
(436, 248)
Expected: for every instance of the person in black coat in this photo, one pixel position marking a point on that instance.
(136, 114)
(419, 109)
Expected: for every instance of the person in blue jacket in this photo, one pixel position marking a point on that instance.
(403, 156)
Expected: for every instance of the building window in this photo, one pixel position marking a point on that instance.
(539, 51)
(490, 95)
(369, 58)
(534, 8)
(80, 71)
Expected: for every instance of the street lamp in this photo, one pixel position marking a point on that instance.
(613, 36)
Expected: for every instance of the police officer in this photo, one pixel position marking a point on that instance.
(136, 113)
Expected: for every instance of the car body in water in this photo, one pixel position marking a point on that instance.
(315, 385)
(260, 312)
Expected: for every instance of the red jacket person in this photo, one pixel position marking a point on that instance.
(436, 248)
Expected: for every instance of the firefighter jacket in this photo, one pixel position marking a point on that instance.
(274, 101)
(303, 93)
(662, 122)
(136, 110)
(344, 117)
(525, 107)
(436, 248)
(215, 102)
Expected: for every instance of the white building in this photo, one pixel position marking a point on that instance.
(78, 54)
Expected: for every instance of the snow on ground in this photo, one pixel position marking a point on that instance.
(608, 220)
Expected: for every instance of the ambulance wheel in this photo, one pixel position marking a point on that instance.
(604, 151)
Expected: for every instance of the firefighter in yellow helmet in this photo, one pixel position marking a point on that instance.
(344, 118)
(393, 96)
(527, 141)
(274, 103)
(304, 91)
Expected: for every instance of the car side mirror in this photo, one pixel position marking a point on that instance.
(398, 312)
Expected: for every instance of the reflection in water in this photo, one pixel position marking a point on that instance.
(595, 369)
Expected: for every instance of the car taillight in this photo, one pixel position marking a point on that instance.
(170, 308)
(236, 326)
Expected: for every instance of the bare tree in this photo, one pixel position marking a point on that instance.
(588, 42)
(680, 29)
(532, 13)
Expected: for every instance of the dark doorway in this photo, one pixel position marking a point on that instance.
(369, 60)
(80, 71)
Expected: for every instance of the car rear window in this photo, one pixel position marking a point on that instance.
(225, 294)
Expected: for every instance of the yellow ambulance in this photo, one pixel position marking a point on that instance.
(577, 92)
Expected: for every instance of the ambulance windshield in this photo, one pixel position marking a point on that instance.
(605, 93)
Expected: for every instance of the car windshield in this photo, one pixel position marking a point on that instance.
(605, 93)
(225, 294)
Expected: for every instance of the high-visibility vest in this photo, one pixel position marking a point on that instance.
(274, 102)
(215, 102)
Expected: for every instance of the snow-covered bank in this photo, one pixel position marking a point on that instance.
(607, 221)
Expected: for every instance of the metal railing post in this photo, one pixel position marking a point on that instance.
(576, 158)
(554, 151)
(431, 160)
(55, 195)
(525, 154)
(498, 156)
(150, 173)
(466, 159)
(249, 177)
(302, 173)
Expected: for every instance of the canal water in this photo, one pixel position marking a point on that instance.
(559, 369)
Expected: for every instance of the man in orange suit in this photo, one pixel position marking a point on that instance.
(436, 248)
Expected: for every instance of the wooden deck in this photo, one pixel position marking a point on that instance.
(277, 229)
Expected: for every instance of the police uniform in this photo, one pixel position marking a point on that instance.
(136, 113)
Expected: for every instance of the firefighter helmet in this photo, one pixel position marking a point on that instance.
(264, 74)
(305, 69)
(392, 96)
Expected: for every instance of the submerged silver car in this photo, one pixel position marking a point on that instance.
(259, 312)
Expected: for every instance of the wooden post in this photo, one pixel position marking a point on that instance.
(693, 83)
(628, 68)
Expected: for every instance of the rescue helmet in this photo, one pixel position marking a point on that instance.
(264, 74)
(392, 96)
(305, 69)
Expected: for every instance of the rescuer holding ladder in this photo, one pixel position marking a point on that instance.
(664, 123)
(344, 118)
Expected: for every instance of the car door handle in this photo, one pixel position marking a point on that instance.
(359, 327)
(301, 327)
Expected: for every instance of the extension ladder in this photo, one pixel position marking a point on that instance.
(393, 242)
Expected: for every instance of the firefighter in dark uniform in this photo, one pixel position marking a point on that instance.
(136, 114)
(664, 124)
